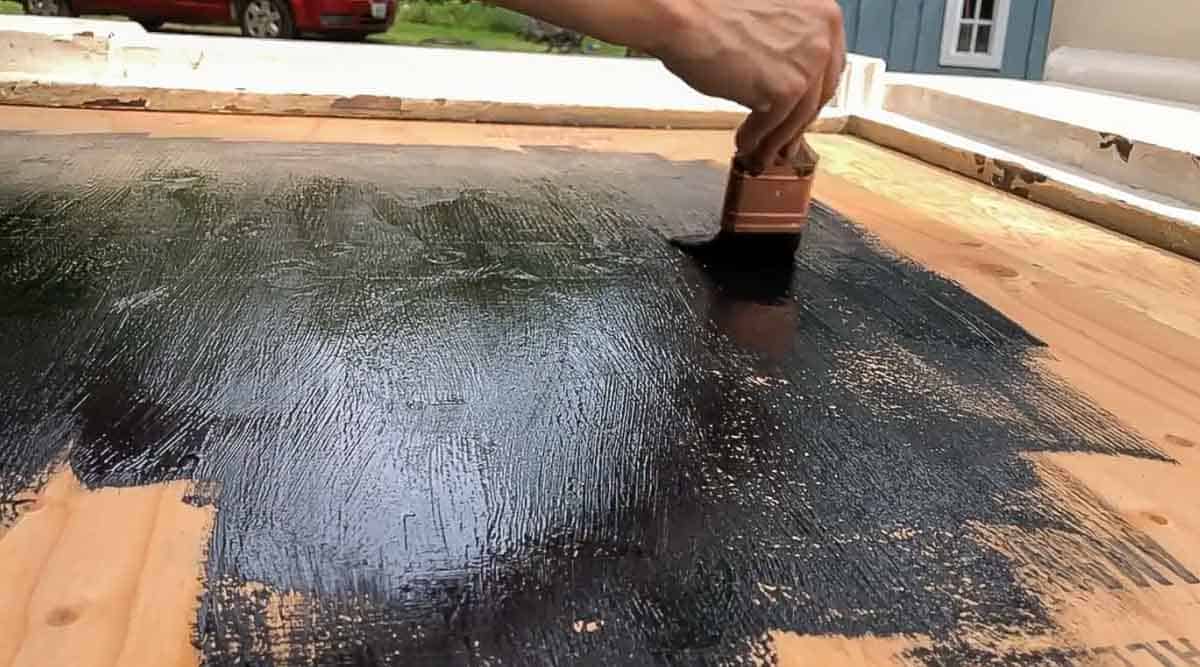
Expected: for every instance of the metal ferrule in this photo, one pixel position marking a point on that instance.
(775, 201)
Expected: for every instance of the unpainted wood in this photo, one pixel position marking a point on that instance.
(102, 578)
(86, 96)
(1121, 326)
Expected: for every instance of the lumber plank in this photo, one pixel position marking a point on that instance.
(111, 576)
(1119, 316)
(1120, 321)
(104, 577)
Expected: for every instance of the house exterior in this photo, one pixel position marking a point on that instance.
(1163, 28)
(1006, 38)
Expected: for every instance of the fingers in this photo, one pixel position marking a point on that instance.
(837, 64)
(791, 99)
(782, 143)
(757, 126)
(786, 95)
(837, 59)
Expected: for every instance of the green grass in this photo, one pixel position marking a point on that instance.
(470, 25)
(7, 7)
(410, 33)
(470, 15)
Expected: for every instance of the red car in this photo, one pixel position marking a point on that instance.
(346, 19)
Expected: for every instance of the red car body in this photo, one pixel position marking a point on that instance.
(349, 18)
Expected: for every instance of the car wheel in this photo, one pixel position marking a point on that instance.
(48, 8)
(270, 19)
(151, 24)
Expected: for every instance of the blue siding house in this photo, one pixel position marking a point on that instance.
(1005, 38)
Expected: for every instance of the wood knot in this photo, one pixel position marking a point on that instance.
(1178, 441)
(60, 616)
(998, 270)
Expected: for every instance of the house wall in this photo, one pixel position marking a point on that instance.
(908, 35)
(1167, 28)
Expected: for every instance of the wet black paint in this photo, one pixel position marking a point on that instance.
(461, 399)
(744, 254)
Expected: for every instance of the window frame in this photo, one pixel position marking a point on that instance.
(950, 57)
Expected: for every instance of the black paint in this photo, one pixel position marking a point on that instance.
(738, 253)
(1175, 652)
(462, 398)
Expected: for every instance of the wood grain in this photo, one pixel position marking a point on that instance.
(106, 577)
(1119, 318)
(1120, 321)
(369, 106)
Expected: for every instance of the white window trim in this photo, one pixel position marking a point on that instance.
(951, 58)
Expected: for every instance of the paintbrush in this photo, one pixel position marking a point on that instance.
(764, 214)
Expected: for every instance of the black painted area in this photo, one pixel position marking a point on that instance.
(463, 398)
(733, 254)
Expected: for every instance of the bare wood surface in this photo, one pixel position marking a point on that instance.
(359, 106)
(1120, 319)
(1121, 323)
(1127, 217)
(105, 577)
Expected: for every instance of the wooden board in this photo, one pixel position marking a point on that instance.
(1120, 320)
(1119, 317)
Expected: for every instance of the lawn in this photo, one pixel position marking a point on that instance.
(426, 34)
(470, 25)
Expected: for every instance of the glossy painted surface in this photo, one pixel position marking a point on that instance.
(471, 406)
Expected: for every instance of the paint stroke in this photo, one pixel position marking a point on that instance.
(457, 399)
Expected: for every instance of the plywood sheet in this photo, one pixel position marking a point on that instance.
(456, 404)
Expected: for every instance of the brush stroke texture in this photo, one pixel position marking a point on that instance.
(466, 401)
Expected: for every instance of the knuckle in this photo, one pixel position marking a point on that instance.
(791, 87)
(761, 102)
(776, 90)
(833, 13)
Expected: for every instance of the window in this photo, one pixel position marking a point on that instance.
(973, 35)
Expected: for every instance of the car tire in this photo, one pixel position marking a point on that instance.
(47, 8)
(151, 24)
(267, 19)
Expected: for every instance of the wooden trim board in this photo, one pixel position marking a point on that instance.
(84, 96)
(1136, 221)
(1122, 214)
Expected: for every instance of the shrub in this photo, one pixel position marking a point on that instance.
(457, 13)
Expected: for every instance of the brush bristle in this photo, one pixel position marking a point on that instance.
(741, 250)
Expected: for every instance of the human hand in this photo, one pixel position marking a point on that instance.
(780, 58)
